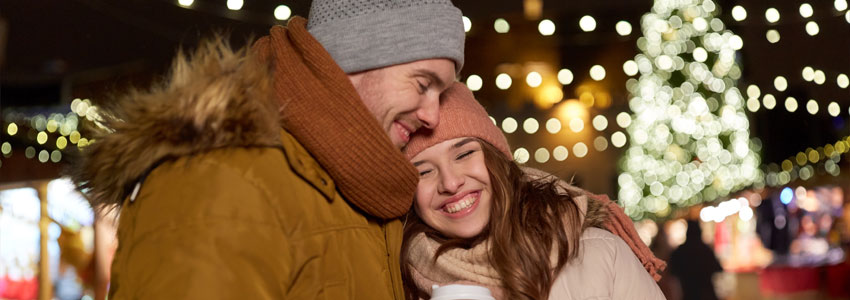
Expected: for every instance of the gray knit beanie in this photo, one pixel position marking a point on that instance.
(362, 35)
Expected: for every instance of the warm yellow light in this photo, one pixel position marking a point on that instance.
(624, 119)
(12, 129)
(41, 138)
(840, 5)
(787, 165)
(600, 122)
(813, 156)
(467, 24)
(819, 77)
(61, 142)
(551, 93)
(586, 98)
(842, 80)
(571, 109)
(74, 137)
(6, 148)
(43, 156)
(630, 67)
(600, 143)
(808, 73)
(185, 3)
(801, 158)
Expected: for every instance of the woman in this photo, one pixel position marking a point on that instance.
(480, 219)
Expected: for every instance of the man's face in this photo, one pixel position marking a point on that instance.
(405, 97)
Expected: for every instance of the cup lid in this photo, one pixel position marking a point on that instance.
(460, 291)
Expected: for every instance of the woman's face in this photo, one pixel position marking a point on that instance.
(454, 195)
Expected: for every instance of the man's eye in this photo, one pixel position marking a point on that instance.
(422, 88)
(465, 154)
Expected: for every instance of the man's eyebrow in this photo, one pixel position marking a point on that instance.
(440, 83)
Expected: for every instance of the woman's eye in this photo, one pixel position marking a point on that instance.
(423, 173)
(465, 154)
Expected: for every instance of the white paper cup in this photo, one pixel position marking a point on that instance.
(460, 292)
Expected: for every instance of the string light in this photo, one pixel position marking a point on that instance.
(576, 125)
(833, 109)
(739, 13)
(624, 119)
(806, 10)
(587, 23)
(600, 143)
(630, 67)
(772, 15)
(791, 104)
(546, 27)
(773, 36)
(533, 79)
(812, 106)
(769, 101)
(597, 72)
(474, 82)
(560, 153)
(840, 5)
(565, 76)
(521, 155)
(467, 24)
(12, 129)
(842, 80)
(623, 28)
(530, 125)
(580, 149)
(282, 12)
(819, 77)
(553, 125)
(501, 26)
(503, 81)
(235, 4)
(780, 83)
(185, 3)
(541, 155)
(808, 73)
(618, 139)
(600, 123)
(812, 28)
(509, 125)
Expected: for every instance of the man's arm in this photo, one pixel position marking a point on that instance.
(200, 233)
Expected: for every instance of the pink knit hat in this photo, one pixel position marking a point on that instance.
(460, 116)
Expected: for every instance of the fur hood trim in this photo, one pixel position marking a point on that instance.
(214, 98)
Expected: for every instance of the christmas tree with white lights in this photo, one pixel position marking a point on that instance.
(689, 136)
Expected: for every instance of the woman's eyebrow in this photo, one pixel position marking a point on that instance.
(463, 142)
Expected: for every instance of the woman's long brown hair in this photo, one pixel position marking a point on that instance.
(529, 220)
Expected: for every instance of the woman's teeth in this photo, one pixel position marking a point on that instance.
(460, 205)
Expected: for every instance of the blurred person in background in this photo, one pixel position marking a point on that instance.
(694, 263)
(276, 172)
(480, 219)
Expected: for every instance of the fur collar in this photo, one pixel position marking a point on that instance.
(212, 99)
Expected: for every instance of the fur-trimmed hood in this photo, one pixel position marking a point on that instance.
(215, 98)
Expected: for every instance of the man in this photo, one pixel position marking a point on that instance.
(276, 174)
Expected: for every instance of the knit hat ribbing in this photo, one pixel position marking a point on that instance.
(460, 116)
(362, 35)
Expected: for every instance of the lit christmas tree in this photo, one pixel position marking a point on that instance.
(690, 138)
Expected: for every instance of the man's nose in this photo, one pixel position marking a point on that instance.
(429, 112)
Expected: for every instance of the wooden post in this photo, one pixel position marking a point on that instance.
(45, 287)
